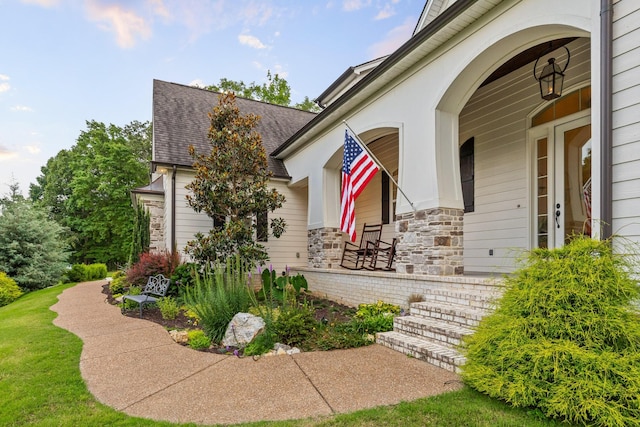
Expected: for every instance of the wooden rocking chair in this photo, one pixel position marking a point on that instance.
(353, 257)
(382, 255)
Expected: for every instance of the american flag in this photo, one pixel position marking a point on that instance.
(358, 168)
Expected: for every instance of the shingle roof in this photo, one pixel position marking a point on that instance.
(180, 119)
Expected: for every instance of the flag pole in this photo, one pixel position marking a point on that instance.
(375, 159)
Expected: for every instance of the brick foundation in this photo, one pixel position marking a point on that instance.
(430, 242)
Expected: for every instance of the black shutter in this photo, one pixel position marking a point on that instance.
(467, 174)
(385, 198)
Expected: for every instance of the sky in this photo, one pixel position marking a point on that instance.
(65, 62)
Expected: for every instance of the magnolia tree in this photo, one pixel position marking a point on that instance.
(232, 187)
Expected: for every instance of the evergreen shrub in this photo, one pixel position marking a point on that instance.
(9, 290)
(565, 337)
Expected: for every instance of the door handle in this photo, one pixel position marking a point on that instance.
(558, 215)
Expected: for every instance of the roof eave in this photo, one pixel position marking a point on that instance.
(301, 137)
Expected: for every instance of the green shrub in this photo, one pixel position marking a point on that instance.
(380, 307)
(168, 308)
(262, 343)
(9, 290)
(118, 284)
(295, 324)
(96, 271)
(217, 296)
(198, 340)
(183, 276)
(78, 273)
(564, 338)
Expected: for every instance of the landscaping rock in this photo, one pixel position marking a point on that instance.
(181, 337)
(242, 329)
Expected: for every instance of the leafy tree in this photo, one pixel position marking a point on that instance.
(307, 105)
(275, 91)
(86, 189)
(231, 187)
(33, 250)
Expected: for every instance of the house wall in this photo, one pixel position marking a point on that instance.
(626, 119)
(421, 105)
(290, 249)
(496, 117)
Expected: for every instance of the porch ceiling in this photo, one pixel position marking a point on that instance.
(527, 57)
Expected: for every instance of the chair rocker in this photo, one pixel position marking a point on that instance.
(382, 255)
(156, 285)
(354, 256)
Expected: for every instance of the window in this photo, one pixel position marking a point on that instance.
(467, 174)
(218, 222)
(262, 227)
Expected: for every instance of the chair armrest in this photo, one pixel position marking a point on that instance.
(355, 247)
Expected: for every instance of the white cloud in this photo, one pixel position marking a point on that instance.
(197, 83)
(351, 5)
(159, 8)
(32, 149)
(4, 86)
(393, 40)
(6, 153)
(127, 26)
(43, 3)
(386, 12)
(251, 41)
(23, 108)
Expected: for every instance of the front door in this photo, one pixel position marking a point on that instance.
(563, 183)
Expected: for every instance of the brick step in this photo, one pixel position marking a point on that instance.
(437, 331)
(472, 298)
(436, 354)
(454, 314)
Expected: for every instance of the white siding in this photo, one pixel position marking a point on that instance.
(188, 221)
(291, 248)
(496, 116)
(626, 119)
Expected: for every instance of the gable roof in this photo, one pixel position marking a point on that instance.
(180, 119)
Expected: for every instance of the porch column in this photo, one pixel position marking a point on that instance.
(430, 242)
(325, 247)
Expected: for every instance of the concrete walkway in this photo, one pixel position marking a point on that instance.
(134, 366)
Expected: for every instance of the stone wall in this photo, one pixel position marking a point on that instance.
(156, 224)
(430, 242)
(325, 247)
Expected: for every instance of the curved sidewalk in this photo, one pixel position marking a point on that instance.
(134, 366)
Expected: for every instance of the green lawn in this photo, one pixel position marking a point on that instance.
(40, 384)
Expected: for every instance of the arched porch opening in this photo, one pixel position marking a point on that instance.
(490, 102)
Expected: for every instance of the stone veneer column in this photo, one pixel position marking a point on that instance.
(430, 242)
(156, 224)
(325, 247)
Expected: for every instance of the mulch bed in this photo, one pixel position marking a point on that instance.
(324, 309)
